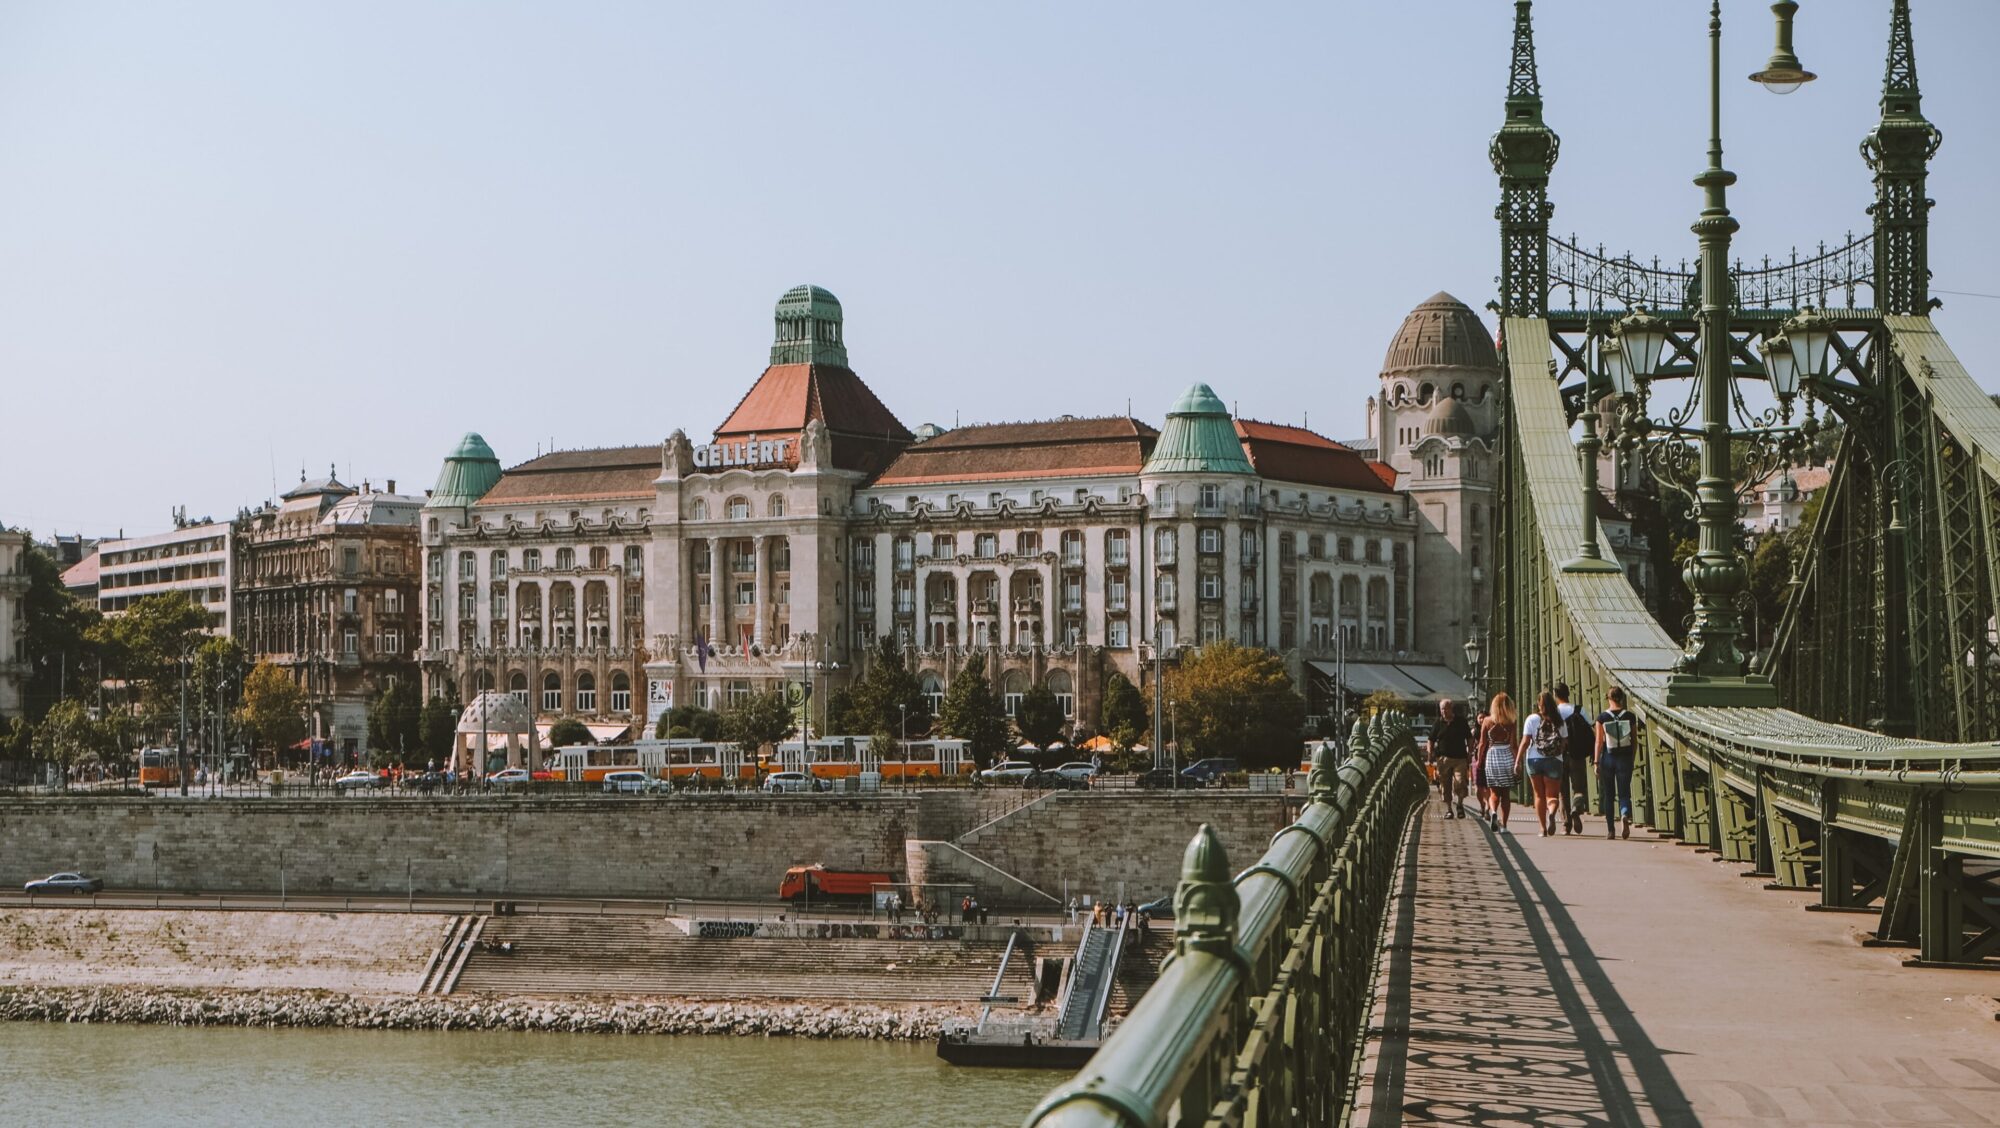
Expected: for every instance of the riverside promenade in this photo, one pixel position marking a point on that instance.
(1578, 981)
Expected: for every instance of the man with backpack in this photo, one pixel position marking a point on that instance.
(1617, 749)
(1578, 743)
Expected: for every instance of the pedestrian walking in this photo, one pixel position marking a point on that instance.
(1501, 761)
(1449, 745)
(1479, 761)
(1542, 741)
(1617, 749)
(1579, 752)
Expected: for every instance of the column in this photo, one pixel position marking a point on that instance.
(761, 608)
(717, 589)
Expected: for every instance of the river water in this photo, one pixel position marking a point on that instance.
(75, 1076)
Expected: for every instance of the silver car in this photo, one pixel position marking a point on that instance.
(1008, 771)
(65, 883)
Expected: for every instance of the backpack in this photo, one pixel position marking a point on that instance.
(1618, 728)
(1581, 739)
(1549, 738)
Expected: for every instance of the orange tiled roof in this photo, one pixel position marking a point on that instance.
(1056, 448)
(788, 396)
(1284, 453)
(604, 474)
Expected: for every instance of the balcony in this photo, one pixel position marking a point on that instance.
(1118, 560)
(1072, 604)
(1027, 607)
(1072, 559)
(943, 608)
(985, 607)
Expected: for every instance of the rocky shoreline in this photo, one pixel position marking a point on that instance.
(210, 1007)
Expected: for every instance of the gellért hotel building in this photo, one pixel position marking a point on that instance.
(608, 584)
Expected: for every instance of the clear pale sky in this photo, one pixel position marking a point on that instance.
(243, 236)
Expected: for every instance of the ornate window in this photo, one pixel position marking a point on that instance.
(467, 570)
(1059, 684)
(1211, 497)
(621, 693)
(496, 566)
(600, 558)
(1117, 548)
(531, 560)
(1211, 542)
(775, 507)
(586, 692)
(986, 546)
(635, 561)
(737, 509)
(565, 559)
(699, 510)
(1027, 544)
(1119, 636)
(517, 687)
(944, 546)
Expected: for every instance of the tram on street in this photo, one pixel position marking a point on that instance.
(661, 759)
(159, 767)
(840, 757)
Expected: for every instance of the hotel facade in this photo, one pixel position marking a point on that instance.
(779, 546)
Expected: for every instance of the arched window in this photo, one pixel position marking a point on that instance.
(621, 692)
(1374, 551)
(551, 692)
(517, 686)
(565, 559)
(1316, 546)
(933, 693)
(699, 510)
(586, 692)
(776, 506)
(531, 560)
(1015, 686)
(737, 509)
(483, 681)
(1059, 684)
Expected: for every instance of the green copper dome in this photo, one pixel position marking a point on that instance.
(469, 472)
(809, 328)
(1199, 438)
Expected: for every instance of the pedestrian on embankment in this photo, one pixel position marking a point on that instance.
(1449, 744)
(1617, 750)
(1501, 761)
(1542, 740)
(1479, 789)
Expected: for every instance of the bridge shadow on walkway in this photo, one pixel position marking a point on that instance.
(1492, 1015)
(1518, 971)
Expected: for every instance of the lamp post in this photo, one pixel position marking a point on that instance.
(903, 707)
(1710, 669)
(1475, 665)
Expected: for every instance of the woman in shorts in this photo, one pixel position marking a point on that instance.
(1499, 769)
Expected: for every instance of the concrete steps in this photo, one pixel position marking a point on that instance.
(600, 956)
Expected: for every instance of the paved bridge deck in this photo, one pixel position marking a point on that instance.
(1576, 981)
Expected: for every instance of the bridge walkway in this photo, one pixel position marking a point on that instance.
(1578, 981)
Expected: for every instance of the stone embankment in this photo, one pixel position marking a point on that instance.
(332, 1009)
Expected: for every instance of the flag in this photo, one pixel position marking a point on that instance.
(702, 650)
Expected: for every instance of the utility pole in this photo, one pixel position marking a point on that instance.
(182, 755)
(1159, 689)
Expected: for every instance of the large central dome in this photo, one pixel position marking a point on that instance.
(1443, 332)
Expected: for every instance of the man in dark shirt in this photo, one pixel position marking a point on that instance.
(1450, 748)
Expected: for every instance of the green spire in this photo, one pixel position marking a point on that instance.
(469, 472)
(809, 328)
(1899, 151)
(1199, 438)
(1523, 153)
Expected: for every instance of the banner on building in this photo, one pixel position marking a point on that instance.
(659, 702)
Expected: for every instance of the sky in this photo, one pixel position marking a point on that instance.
(242, 239)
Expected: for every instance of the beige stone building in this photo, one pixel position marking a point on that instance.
(13, 624)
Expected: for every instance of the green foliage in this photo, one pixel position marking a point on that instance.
(689, 721)
(144, 646)
(759, 719)
(1233, 700)
(569, 731)
(437, 727)
(1381, 701)
(1039, 718)
(68, 736)
(888, 693)
(56, 635)
(273, 712)
(1123, 717)
(840, 714)
(972, 713)
(396, 721)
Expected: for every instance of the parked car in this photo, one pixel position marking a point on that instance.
(65, 883)
(788, 781)
(1162, 909)
(509, 777)
(1052, 780)
(1008, 771)
(632, 781)
(659, 785)
(1078, 769)
(355, 781)
(1203, 772)
(1161, 778)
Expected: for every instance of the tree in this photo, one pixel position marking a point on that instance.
(437, 727)
(273, 712)
(145, 646)
(1039, 717)
(759, 719)
(56, 634)
(1381, 701)
(396, 721)
(840, 713)
(67, 735)
(888, 693)
(215, 676)
(1237, 701)
(972, 713)
(1123, 715)
(683, 722)
(569, 731)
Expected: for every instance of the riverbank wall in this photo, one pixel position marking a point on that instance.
(729, 846)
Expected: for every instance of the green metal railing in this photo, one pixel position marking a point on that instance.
(1260, 1014)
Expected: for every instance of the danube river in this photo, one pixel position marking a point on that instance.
(70, 1076)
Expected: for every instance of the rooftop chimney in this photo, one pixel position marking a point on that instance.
(392, 485)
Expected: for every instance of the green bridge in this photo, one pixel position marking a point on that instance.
(1380, 964)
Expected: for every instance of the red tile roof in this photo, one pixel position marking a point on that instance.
(1056, 448)
(604, 474)
(82, 574)
(866, 434)
(1284, 453)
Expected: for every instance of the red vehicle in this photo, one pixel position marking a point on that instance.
(804, 884)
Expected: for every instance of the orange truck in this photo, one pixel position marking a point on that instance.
(808, 884)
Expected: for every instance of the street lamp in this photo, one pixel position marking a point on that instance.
(1710, 669)
(1475, 663)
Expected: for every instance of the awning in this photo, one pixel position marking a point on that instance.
(1411, 681)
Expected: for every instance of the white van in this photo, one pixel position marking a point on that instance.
(626, 781)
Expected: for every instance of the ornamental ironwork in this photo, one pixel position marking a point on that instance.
(1596, 279)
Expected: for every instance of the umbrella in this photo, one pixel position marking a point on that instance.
(1099, 744)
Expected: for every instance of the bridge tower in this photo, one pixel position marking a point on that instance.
(1524, 153)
